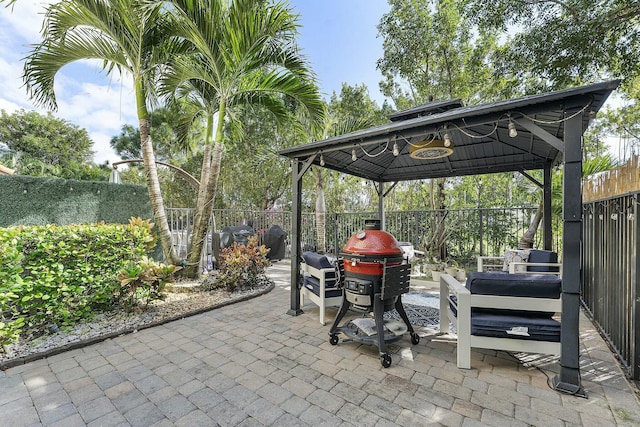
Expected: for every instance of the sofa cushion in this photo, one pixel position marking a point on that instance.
(519, 327)
(538, 255)
(514, 285)
(320, 261)
(313, 284)
(316, 260)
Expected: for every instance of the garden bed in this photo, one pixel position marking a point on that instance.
(111, 324)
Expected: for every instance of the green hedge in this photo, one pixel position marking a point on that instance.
(60, 274)
(30, 200)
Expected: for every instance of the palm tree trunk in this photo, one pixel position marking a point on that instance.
(151, 175)
(193, 258)
(205, 204)
(206, 162)
(527, 239)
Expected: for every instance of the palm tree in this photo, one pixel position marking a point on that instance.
(236, 53)
(127, 37)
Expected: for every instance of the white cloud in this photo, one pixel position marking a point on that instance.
(23, 19)
(8, 106)
(86, 96)
(102, 149)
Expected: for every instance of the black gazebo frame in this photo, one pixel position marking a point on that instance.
(535, 132)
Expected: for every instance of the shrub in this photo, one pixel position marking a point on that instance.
(242, 266)
(61, 274)
(145, 280)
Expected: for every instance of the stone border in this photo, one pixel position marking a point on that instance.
(89, 341)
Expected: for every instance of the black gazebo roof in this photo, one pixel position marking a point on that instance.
(480, 137)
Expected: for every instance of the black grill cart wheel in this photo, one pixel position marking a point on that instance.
(385, 359)
(415, 338)
(333, 340)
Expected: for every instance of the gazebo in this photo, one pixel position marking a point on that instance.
(447, 139)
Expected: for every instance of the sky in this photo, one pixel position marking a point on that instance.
(339, 37)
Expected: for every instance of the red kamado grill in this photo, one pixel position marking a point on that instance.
(375, 275)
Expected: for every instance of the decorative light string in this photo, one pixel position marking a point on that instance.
(374, 155)
(470, 135)
(550, 122)
(422, 144)
(513, 132)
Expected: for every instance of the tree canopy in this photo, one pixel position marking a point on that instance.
(559, 43)
(129, 36)
(39, 145)
(431, 51)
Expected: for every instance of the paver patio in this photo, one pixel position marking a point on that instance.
(251, 364)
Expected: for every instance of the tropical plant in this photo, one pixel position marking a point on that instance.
(129, 37)
(63, 274)
(265, 178)
(164, 124)
(432, 52)
(242, 266)
(145, 280)
(351, 111)
(235, 53)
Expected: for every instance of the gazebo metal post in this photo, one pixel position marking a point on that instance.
(635, 271)
(298, 169)
(547, 234)
(568, 381)
(381, 214)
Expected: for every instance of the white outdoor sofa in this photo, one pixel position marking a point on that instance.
(502, 311)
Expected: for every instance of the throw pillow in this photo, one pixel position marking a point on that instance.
(514, 255)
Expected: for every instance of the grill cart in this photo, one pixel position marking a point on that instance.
(375, 275)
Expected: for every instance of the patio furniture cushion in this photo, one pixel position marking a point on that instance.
(316, 260)
(319, 282)
(514, 285)
(514, 255)
(312, 283)
(484, 318)
(538, 255)
(535, 328)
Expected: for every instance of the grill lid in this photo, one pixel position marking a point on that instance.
(372, 242)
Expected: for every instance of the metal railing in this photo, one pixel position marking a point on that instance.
(467, 233)
(610, 288)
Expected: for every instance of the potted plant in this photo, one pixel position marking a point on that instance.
(437, 268)
(452, 267)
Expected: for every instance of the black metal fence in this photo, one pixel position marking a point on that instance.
(610, 288)
(467, 232)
